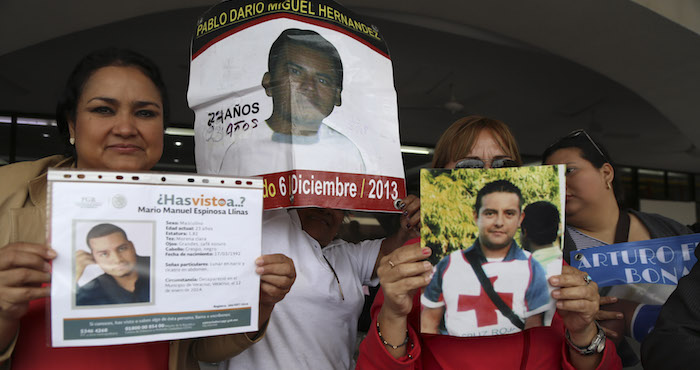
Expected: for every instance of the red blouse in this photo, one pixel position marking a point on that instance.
(33, 349)
(536, 348)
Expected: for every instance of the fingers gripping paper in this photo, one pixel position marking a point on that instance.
(302, 93)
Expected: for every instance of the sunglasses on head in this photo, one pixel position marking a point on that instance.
(581, 133)
(478, 163)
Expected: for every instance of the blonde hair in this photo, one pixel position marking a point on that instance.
(459, 139)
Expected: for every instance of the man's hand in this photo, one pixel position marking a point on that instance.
(277, 274)
(82, 260)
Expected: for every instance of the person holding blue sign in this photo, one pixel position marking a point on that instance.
(594, 217)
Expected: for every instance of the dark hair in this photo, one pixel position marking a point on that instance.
(101, 230)
(308, 39)
(68, 102)
(541, 222)
(498, 186)
(591, 150)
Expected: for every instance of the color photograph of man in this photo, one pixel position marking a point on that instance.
(126, 277)
(457, 303)
(305, 81)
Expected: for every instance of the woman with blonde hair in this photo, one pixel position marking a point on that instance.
(475, 136)
(395, 341)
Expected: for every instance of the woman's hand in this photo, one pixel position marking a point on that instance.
(615, 316)
(577, 304)
(410, 217)
(409, 227)
(24, 267)
(401, 273)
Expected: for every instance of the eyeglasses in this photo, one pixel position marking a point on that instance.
(478, 163)
(342, 296)
(578, 133)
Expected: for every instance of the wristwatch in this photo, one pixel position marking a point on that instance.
(597, 344)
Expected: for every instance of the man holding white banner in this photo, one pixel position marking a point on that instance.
(301, 93)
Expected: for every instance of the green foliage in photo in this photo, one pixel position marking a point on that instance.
(448, 198)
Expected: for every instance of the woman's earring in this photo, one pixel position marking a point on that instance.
(608, 185)
(72, 142)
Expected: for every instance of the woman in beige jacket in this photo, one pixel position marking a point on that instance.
(112, 114)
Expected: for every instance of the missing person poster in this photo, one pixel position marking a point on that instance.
(152, 256)
(302, 93)
(496, 239)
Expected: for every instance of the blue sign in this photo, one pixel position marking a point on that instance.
(655, 261)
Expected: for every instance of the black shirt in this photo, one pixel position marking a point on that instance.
(105, 290)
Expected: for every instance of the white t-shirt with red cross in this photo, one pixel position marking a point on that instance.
(518, 279)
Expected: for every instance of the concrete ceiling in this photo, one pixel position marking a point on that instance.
(624, 72)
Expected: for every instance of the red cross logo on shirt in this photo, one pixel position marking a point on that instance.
(485, 309)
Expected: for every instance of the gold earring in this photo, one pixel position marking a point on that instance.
(608, 185)
(71, 141)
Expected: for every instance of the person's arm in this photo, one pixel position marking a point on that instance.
(609, 360)
(401, 274)
(534, 321)
(615, 316)
(577, 304)
(24, 267)
(409, 228)
(277, 275)
(675, 341)
(430, 319)
(375, 355)
(537, 294)
(433, 305)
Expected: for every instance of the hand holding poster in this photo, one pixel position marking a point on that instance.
(484, 283)
(134, 249)
(302, 93)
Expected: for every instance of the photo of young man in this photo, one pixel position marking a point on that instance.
(457, 303)
(126, 277)
(305, 81)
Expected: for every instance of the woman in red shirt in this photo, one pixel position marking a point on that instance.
(395, 341)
